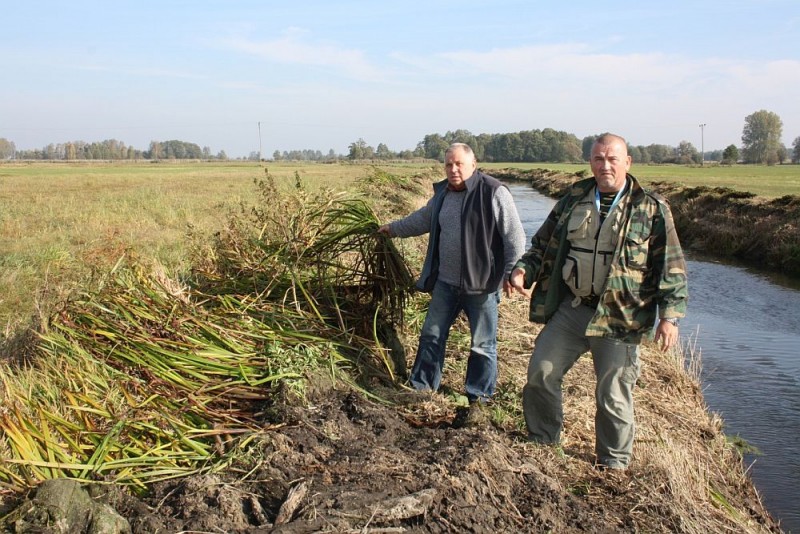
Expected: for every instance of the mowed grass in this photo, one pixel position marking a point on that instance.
(767, 181)
(63, 223)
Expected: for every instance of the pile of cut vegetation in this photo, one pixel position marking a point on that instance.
(264, 392)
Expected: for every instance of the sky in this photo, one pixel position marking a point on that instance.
(250, 75)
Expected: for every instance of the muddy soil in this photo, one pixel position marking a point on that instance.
(360, 466)
(346, 463)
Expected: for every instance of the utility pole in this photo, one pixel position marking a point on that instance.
(259, 142)
(702, 143)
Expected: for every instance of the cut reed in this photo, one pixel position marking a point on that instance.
(143, 378)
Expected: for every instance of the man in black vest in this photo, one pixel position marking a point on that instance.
(475, 238)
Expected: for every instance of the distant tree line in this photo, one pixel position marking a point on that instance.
(529, 146)
(110, 149)
(301, 155)
(761, 143)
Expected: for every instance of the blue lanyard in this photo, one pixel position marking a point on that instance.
(616, 198)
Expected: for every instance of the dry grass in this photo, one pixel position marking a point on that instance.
(64, 224)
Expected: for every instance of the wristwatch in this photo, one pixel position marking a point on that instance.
(673, 320)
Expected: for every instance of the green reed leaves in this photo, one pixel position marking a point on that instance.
(148, 378)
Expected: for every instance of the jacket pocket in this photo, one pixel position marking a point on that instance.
(578, 224)
(637, 251)
(577, 271)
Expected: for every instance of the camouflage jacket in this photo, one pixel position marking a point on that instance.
(647, 276)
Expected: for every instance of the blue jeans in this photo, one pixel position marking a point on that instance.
(447, 301)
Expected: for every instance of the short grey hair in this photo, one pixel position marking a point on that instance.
(606, 138)
(463, 146)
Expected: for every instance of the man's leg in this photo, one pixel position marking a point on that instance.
(481, 377)
(426, 374)
(617, 367)
(558, 346)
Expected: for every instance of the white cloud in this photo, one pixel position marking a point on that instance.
(296, 47)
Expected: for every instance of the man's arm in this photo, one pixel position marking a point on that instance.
(669, 266)
(513, 235)
(416, 223)
(526, 269)
(670, 271)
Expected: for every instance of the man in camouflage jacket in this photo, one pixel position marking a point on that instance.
(603, 266)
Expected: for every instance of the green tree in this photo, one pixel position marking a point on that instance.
(7, 148)
(687, 153)
(383, 152)
(796, 150)
(730, 155)
(644, 155)
(659, 153)
(635, 153)
(360, 150)
(783, 154)
(434, 147)
(155, 150)
(586, 146)
(761, 137)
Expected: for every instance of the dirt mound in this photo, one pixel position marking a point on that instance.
(360, 465)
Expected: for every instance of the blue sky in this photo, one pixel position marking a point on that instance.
(322, 74)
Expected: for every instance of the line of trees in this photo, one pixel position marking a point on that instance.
(110, 149)
(529, 146)
(761, 143)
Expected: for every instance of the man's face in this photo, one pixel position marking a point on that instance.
(610, 163)
(458, 166)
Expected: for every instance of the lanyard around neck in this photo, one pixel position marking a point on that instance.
(616, 198)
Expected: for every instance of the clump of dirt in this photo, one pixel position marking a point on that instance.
(362, 465)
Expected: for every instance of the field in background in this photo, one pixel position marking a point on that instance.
(60, 223)
(771, 182)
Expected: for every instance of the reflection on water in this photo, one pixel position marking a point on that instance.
(748, 330)
(747, 327)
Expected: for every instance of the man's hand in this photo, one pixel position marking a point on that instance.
(666, 334)
(516, 283)
(384, 229)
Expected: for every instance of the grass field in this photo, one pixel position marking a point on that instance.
(60, 223)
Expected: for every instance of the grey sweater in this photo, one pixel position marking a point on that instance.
(505, 213)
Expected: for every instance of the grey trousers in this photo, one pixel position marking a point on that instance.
(616, 366)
